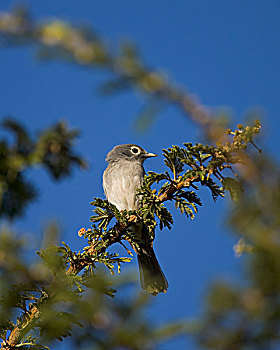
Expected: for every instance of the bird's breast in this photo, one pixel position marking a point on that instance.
(120, 181)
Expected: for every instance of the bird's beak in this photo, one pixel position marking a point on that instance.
(149, 155)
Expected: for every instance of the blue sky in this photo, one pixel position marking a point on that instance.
(226, 52)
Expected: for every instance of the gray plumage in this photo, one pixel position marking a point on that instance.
(122, 177)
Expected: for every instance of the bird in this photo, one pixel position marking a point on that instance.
(121, 179)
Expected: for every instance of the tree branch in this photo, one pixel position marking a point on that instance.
(167, 195)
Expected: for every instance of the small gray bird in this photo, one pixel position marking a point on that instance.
(122, 177)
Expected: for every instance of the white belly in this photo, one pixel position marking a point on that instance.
(120, 182)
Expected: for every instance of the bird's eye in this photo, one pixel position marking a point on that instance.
(135, 150)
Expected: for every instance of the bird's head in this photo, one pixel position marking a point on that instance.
(128, 152)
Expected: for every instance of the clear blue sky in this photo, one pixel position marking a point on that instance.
(226, 52)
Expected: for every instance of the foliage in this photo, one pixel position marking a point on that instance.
(247, 316)
(49, 304)
(52, 149)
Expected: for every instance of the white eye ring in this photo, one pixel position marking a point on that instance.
(135, 150)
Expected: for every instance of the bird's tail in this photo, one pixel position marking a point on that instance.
(151, 276)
